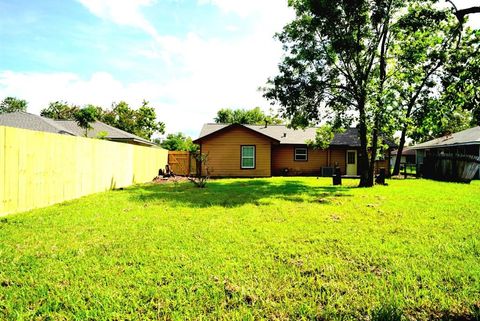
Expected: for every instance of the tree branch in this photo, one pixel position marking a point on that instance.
(460, 14)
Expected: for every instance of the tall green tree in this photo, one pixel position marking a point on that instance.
(425, 40)
(334, 63)
(146, 124)
(85, 117)
(12, 104)
(60, 110)
(253, 116)
(456, 106)
(179, 142)
(141, 122)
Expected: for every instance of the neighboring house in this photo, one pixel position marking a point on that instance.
(25, 120)
(408, 157)
(263, 151)
(112, 133)
(69, 127)
(466, 142)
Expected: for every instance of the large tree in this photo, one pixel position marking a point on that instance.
(455, 104)
(141, 121)
(60, 110)
(372, 62)
(12, 104)
(85, 117)
(253, 116)
(179, 142)
(335, 68)
(427, 41)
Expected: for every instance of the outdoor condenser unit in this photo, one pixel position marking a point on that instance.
(327, 171)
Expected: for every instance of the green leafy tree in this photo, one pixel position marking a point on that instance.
(425, 39)
(85, 117)
(323, 137)
(12, 104)
(141, 122)
(179, 142)
(456, 106)
(375, 63)
(146, 122)
(253, 116)
(60, 110)
(335, 68)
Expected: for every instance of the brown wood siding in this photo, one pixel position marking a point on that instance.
(283, 157)
(223, 152)
(338, 158)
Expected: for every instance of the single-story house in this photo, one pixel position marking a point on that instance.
(236, 150)
(408, 156)
(69, 127)
(466, 142)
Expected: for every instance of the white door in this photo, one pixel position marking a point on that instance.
(352, 162)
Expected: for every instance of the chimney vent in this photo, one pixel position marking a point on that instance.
(284, 135)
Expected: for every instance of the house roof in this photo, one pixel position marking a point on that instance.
(407, 151)
(285, 135)
(113, 133)
(467, 137)
(38, 123)
(29, 121)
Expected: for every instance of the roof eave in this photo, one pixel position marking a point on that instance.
(446, 145)
(200, 139)
(116, 139)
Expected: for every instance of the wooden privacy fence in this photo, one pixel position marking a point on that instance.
(38, 169)
(182, 163)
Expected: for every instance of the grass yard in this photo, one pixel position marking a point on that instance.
(280, 248)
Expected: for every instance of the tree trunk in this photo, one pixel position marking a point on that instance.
(396, 168)
(363, 155)
(380, 102)
(371, 169)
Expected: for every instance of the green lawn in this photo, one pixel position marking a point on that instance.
(278, 249)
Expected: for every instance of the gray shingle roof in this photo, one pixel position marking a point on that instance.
(29, 121)
(287, 135)
(407, 151)
(467, 137)
(34, 122)
(113, 133)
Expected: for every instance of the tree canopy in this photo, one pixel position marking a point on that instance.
(141, 122)
(253, 116)
(85, 117)
(370, 62)
(12, 104)
(179, 142)
(60, 110)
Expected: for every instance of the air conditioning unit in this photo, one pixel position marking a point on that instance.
(327, 171)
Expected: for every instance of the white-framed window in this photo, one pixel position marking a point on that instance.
(248, 157)
(301, 154)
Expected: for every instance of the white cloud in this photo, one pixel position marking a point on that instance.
(39, 89)
(211, 73)
(244, 8)
(122, 12)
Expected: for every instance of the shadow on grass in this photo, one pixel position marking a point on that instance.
(237, 193)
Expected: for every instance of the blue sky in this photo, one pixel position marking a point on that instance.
(189, 58)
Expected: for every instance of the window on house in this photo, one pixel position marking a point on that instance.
(301, 154)
(248, 157)
(351, 158)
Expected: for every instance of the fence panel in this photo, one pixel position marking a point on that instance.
(38, 169)
(181, 163)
